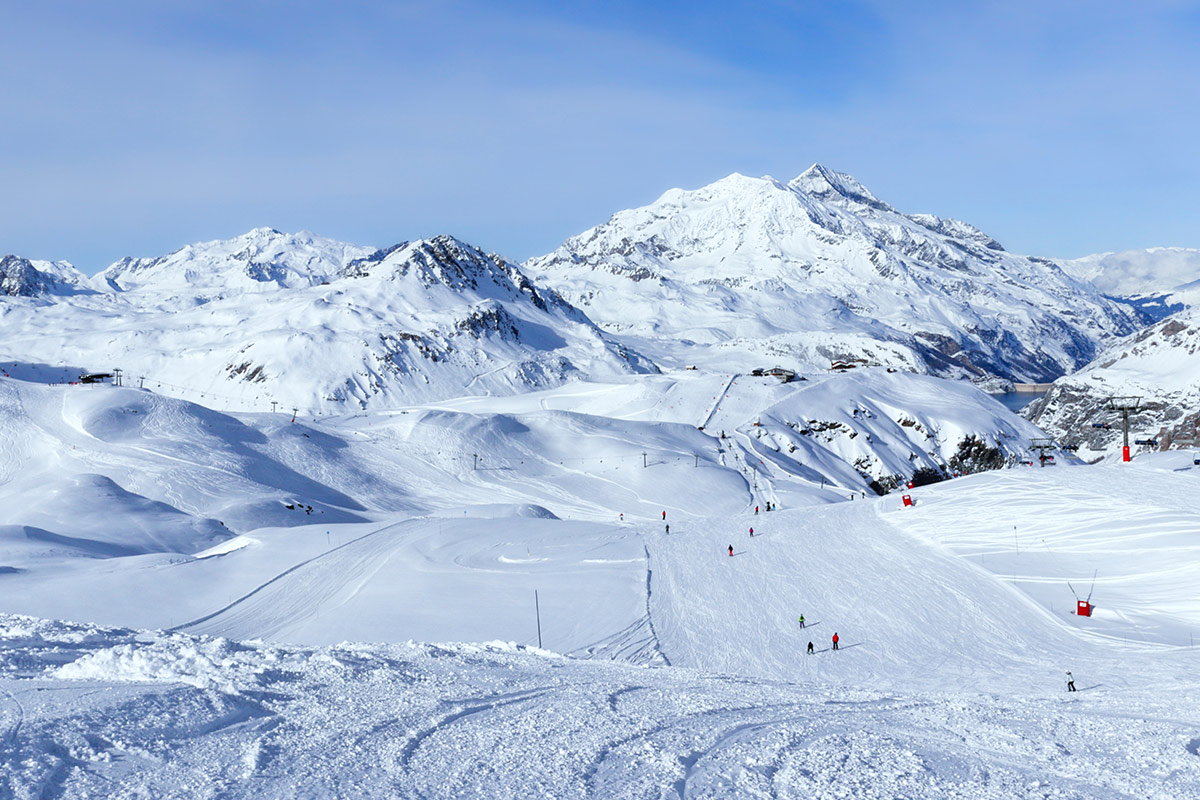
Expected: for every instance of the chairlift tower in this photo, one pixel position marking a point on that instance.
(1125, 406)
(1042, 445)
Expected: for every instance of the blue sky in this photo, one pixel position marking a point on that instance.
(132, 128)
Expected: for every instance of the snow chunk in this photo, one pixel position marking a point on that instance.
(216, 663)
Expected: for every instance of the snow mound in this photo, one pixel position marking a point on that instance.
(217, 664)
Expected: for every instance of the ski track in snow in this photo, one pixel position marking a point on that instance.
(419, 721)
(298, 592)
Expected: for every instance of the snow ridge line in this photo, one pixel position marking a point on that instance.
(650, 619)
(712, 412)
(199, 620)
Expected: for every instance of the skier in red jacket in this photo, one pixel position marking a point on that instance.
(835, 640)
(731, 550)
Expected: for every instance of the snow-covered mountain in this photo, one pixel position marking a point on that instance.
(261, 260)
(1160, 365)
(277, 581)
(318, 325)
(21, 277)
(820, 269)
(1157, 281)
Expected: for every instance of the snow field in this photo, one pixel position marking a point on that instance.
(134, 715)
(1132, 525)
(949, 682)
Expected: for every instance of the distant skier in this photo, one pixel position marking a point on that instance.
(1070, 681)
(731, 551)
(835, 640)
(668, 527)
(756, 509)
(622, 516)
(664, 515)
(801, 620)
(810, 648)
(752, 531)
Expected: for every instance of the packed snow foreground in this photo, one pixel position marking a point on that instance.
(345, 607)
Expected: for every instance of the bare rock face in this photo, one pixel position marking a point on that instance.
(20, 277)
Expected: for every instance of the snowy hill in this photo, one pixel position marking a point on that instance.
(20, 277)
(318, 325)
(819, 269)
(77, 459)
(1160, 365)
(1157, 281)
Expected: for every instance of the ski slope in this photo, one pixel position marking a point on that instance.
(208, 651)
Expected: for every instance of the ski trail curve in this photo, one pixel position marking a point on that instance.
(298, 592)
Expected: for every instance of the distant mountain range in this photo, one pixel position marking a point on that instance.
(1157, 281)
(262, 260)
(310, 323)
(745, 272)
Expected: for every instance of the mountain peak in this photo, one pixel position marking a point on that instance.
(827, 184)
(737, 179)
(262, 232)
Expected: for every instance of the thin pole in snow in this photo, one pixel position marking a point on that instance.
(697, 459)
(537, 608)
(644, 464)
(295, 411)
(476, 455)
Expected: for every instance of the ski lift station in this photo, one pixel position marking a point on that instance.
(783, 374)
